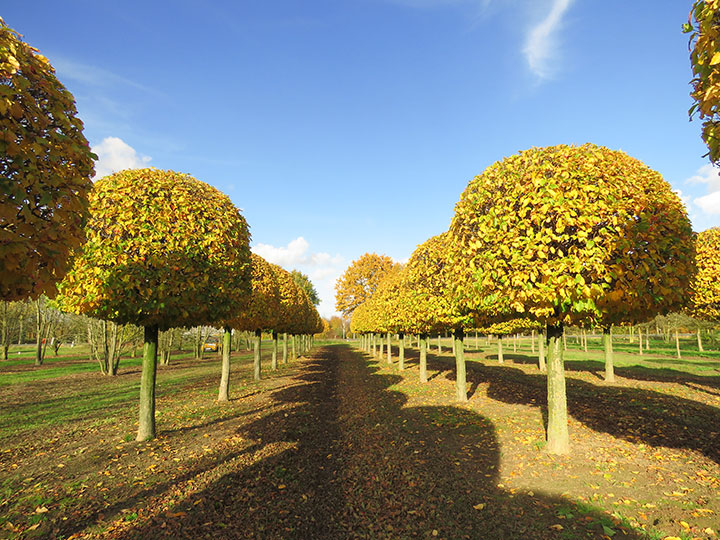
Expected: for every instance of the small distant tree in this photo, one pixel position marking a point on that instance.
(303, 281)
(46, 167)
(360, 280)
(567, 235)
(164, 250)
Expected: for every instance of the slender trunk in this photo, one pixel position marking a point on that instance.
(274, 362)
(558, 438)
(401, 352)
(541, 351)
(294, 346)
(146, 427)
(564, 341)
(389, 348)
(515, 340)
(532, 342)
(501, 356)
(699, 340)
(453, 344)
(256, 356)
(423, 342)
(285, 349)
(38, 341)
(460, 373)
(584, 334)
(20, 330)
(224, 392)
(382, 347)
(677, 342)
(640, 340)
(439, 344)
(607, 345)
(374, 345)
(647, 340)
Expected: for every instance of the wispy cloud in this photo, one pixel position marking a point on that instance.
(541, 40)
(322, 268)
(96, 76)
(115, 155)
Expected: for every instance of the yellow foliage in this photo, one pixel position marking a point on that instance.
(570, 234)
(46, 164)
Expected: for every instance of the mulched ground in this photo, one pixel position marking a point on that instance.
(339, 445)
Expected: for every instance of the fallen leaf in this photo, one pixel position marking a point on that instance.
(479, 506)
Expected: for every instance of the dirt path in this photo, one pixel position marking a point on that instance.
(342, 455)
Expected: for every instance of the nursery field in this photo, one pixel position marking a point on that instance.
(341, 445)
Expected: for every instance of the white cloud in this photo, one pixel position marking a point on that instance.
(115, 155)
(709, 203)
(541, 41)
(322, 268)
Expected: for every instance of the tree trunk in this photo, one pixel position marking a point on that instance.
(389, 348)
(294, 346)
(374, 345)
(439, 345)
(501, 356)
(224, 392)
(382, 347)
(699, 340)
(564, 340)
(677, 342)
(38, 341)
(285, 349)
(541, 351)
(607, 345)
(532, 342)
(256, 356)
(401, 352)
(274, 361)
(558, 438)
(640, 340)
(584, 334)
(460, 373)
(515, 340)
(423, 357)
(146, 427)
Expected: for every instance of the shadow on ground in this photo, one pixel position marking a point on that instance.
(358, 463)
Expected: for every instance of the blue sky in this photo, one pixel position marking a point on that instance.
(348, 126)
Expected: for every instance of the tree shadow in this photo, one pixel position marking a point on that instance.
(634, 414)
(344, 456)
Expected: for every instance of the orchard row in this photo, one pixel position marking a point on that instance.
(564, 235)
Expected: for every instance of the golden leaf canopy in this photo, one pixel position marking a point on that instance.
(45, 170)
(163, 249)
(570, 234)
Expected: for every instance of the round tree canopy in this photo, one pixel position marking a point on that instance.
(45, 170)
(571, 234)
(705, 288)
(261, 309)
(163, 249)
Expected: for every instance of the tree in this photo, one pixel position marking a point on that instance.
(163, 250)
(11, 316)
(256, 312)
(45, 171)
(303, 281)
(569, 235)
(429, 304)
(704, 28)
(360, 280)
(705, 288)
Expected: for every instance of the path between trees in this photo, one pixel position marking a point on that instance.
(342, 455)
